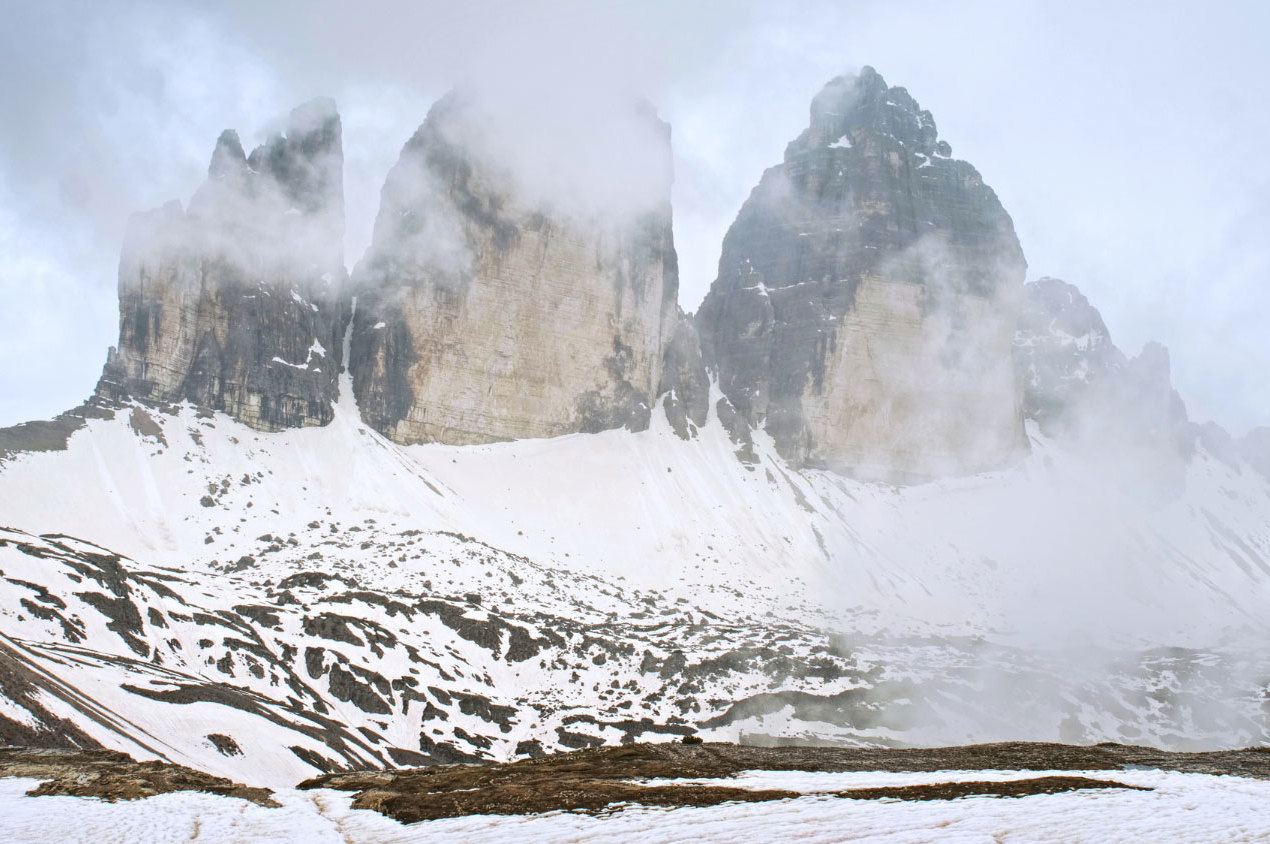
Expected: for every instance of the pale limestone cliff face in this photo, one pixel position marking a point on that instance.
(916, 385)
(866, 298)
(232, 304)
(484, 315)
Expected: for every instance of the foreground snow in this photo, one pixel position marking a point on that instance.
(1182, 808)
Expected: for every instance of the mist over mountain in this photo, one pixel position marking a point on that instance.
(494, 493)
(232, 304)
(867, 296)
(495, 303)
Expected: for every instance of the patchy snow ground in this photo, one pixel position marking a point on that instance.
(1189, 808)
(326, 597)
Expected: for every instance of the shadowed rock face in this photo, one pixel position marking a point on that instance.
(1121, 411)
(231, 304)
(685, 385)
(484, 313)
(1063, 348)
(1076, 381)
(866, 297)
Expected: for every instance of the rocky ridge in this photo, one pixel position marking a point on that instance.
(867, 294)
(1079, 386)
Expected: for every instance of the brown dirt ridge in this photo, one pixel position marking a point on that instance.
(999, 788)
(604, 778)
(110, 775)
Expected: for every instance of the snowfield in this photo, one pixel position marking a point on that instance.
(268, 606)
(1181, 807)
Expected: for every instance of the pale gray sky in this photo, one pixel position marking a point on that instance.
(1128, 145)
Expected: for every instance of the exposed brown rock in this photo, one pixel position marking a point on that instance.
(110, 775)
(999, 788)
(596, 779)
(52, 434)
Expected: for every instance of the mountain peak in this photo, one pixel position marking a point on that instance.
(228, 159)
(229, 304)
(856, 105)
(522, 278)
(866, 297)
(307, 163)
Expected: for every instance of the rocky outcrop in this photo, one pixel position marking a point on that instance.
(52, 434)
(867, 295)
(231, 304)
(1063, 348)
(1076, 381)
(110, 775)
(1121, 413)
(487, 311)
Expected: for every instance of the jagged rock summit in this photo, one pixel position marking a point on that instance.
(1063, 346)
(1077, 383)
(231, 304)
(487, 311)
(866, 297)
(862, 314)
(1121, 413)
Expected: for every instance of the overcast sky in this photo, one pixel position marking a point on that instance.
(1129, 146)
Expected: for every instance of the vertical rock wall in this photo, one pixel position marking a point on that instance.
(866, 298)
(486, 313)
(232, 304)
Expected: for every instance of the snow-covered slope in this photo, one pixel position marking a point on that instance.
(259, 605)
(1160, 806)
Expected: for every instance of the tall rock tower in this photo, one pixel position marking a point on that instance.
(232, 304)
(494, 305)
(867, 296)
